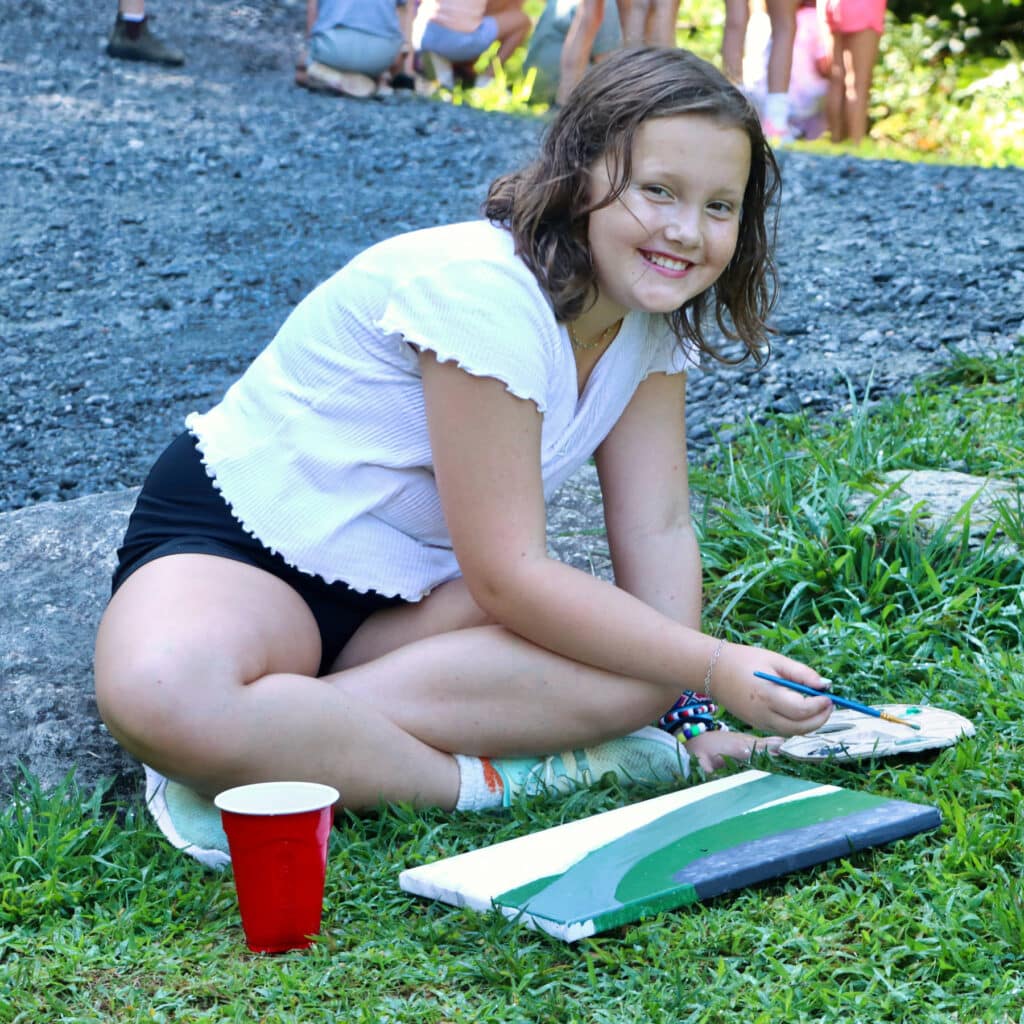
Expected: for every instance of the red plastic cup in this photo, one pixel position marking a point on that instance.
(277, 834)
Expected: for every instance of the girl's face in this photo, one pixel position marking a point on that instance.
(673, 230)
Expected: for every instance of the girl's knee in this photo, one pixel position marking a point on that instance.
(155, 710)
(735, 19)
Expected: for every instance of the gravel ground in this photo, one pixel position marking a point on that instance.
(156, 226)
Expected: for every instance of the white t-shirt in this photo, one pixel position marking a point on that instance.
(321, 448)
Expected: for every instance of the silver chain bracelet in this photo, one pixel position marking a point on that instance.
(711, 666)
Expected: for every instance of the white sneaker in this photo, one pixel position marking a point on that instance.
(647, 755)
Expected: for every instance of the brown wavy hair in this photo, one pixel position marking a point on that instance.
(546, 205)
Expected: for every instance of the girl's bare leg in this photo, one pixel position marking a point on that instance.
(861, 50)
(450, 607)
(205, 670)
(737, 13)
(661, 23)
(835, 99)
(782, 14)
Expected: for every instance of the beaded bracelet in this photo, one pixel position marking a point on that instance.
(692, 714)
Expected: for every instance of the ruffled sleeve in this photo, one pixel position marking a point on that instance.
(487, 315)
(665, 353)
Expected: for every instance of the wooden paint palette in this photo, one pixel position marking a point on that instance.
(851, 736)
(587, 876)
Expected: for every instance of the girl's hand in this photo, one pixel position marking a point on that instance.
(762, 704)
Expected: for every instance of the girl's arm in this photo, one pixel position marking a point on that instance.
(644, 480)
(644, 484)
(486, 450)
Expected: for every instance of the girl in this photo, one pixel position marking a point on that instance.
(339, 573)
(450, 33)
(857, 27)
(354, 45)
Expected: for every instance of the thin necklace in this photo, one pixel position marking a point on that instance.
(605, 335)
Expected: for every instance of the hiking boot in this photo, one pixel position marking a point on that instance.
(132, 40)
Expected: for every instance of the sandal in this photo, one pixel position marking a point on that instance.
(323, 78)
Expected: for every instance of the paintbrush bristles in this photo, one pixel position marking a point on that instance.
(900, 721)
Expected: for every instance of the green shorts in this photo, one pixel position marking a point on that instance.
(544, 52)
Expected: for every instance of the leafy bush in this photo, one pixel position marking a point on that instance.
(927, 100)
(985, 23)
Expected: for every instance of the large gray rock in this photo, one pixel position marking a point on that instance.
(55, 560)
(940, 496)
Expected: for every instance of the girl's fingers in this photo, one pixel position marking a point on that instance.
(765, 704)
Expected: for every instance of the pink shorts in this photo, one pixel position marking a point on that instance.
(847, 16)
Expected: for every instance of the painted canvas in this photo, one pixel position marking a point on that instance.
(584, 877)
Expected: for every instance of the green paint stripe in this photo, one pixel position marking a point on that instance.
(588, 889)
(679, 896)
(522, 894)
(658, 868)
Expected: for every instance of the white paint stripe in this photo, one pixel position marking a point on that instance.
(473, 879)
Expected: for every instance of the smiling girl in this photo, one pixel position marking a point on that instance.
(339, 573)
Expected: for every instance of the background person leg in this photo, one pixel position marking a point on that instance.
(782, 14)
(737, 14)
(661, 23)
(579, 42)
(861, 53)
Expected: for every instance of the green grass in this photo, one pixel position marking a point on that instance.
(101, 921)
(936, 97)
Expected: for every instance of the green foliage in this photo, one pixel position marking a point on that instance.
(859, 583)
(805, 550)
(506, 88)
(927, 100)
(983, 23)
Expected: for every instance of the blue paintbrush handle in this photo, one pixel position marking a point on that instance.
(809, 691)
(841, 702)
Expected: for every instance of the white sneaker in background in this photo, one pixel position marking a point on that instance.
(438, 68)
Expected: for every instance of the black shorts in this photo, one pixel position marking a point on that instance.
(180, 511)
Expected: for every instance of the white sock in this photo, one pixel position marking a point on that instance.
(480, 787)
(776, 109)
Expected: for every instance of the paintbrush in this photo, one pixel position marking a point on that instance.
(842, 702)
